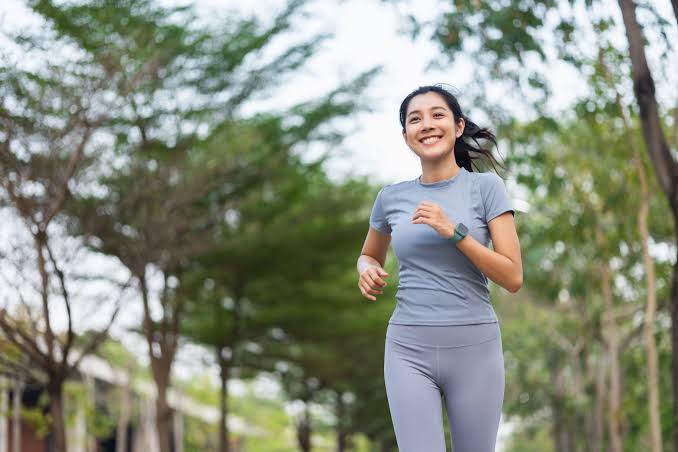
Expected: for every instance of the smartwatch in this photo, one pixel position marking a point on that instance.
(460, 231)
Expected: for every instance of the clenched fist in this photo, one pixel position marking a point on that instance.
(370, 282)
(434, 216)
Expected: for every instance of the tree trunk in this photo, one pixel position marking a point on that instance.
(665, 166)
(558, 414)
(163, 418)
(648, 264)
(612, 344)
(224, 445)
(598, 416)
(559, 433)
(56, 408)
(562, 438)
(650, 311)
(593, 425)
(161, 369)
(341, 430)
(304, 429)
(614, 399)
(644, 89)
(161, 351)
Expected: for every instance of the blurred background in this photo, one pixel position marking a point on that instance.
(185, 189)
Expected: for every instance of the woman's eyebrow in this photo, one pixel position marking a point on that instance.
(432, 108)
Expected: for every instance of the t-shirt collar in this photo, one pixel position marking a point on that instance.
(444, 182)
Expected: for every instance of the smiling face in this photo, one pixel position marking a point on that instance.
(430, 128)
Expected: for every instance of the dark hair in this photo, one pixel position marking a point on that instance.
(472, 132)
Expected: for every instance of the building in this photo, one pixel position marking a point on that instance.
(103, 391)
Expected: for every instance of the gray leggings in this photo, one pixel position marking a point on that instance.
(464, 365)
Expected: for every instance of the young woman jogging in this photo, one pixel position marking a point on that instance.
(443, 342)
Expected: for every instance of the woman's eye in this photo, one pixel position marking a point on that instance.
(413, 119)
(438, 115)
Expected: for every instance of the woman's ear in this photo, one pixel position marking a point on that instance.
(460, 127)
(405, 137)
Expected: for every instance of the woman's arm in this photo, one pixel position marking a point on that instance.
(503, 265)
(371, 263)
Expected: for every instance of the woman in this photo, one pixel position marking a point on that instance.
(443, 338)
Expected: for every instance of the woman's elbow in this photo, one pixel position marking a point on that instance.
(515, 285)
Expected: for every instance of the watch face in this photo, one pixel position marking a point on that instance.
(461, 227)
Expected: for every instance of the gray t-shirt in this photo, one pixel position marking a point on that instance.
(438, 284)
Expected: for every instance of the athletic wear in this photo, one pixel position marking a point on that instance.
(443, 341)
(438, 284)
(463, 364)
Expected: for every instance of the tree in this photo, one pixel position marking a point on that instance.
(665, 167)
(320, 327)
(292, 229)
(577, 244)
(49, 117)
(194, 156)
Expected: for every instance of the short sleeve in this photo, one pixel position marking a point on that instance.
(378, 218)
(495, 197)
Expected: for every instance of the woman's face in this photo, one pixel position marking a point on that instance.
(429, 126)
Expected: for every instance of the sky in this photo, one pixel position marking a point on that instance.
(369, 33)
(365, 34)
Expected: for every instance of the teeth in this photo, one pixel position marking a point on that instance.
(429, 140)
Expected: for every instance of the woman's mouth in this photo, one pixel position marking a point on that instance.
(430, 140)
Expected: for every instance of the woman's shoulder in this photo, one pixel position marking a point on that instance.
(487, 180)
(485, 176)
(398, 186)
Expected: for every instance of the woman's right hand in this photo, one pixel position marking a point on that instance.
(370, 281)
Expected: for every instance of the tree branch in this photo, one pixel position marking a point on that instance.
(62, 282)
(19, 369)
(39, 238)
(71, 167)
(26, 344)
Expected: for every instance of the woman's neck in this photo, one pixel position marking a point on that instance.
(436, 171)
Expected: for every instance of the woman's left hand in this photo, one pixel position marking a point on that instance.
(434, 216)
